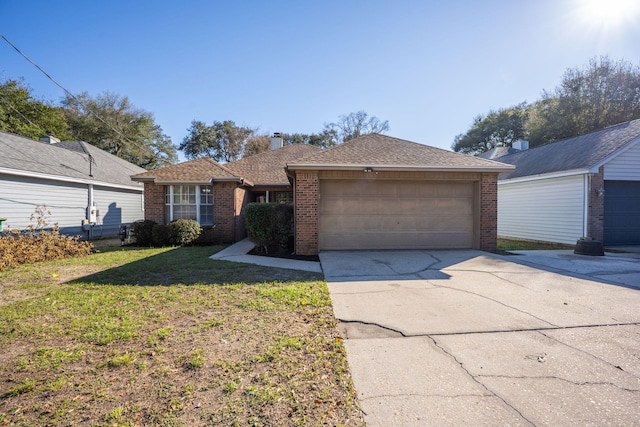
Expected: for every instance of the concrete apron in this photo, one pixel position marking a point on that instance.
(469, 338)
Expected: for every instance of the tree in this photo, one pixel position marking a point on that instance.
(324, 139)
(353, 126)
(22, 114)
(256, 144)
(222, 141)
(502, 127)
(602, 94)
(112, 123)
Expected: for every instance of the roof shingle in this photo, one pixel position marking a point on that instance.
(68, 160)
(580, 152)
(198, 171)
(385, 152)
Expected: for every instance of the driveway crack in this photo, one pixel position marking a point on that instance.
(480, 383)
(551, 377)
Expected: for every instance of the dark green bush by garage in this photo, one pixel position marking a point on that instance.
(143, 232)
(269, 226)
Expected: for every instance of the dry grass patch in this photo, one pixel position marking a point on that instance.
(169, 337)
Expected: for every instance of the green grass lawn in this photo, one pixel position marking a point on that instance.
(169, 337)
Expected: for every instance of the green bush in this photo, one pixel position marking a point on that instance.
(184, 231)
(269, 225)
(160, 235)
(143, 232)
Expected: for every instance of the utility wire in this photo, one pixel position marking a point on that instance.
(75, 98)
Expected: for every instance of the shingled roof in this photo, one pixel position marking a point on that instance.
(581, 153)
(66, 161)
(387, 153)
(198, 171)
(267, 168)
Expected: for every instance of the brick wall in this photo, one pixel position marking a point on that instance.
(595, 225)
(488, 212)
(223, 210)
(306, 191)
(241, 200)
(154, 202)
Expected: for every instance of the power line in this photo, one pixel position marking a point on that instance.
(75, 98)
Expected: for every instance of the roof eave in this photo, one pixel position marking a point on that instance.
(500, 168)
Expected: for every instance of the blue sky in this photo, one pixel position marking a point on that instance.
(428, 67)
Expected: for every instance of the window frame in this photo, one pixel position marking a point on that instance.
(201, 198)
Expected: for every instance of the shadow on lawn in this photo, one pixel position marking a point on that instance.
(190, 265)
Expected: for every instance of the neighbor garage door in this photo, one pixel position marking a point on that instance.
(621, 213)
(373, 214)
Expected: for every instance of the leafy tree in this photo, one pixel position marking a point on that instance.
(324, 139)
(502, 127)
(22, 114)
(256, 144)
(222, 141)
(113, 124)
(602, 94)
(353, 126)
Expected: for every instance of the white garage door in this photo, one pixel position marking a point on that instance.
(372, 214)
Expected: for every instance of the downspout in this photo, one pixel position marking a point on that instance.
(88, 215)
(585, 214)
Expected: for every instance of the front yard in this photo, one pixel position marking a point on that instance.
(168, 337)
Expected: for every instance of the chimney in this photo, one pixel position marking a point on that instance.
(276, 141)
(521, 145)
(49, 139)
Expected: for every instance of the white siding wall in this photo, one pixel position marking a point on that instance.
(20, 196)
(549, 210)
(625, 167)
(116, 207)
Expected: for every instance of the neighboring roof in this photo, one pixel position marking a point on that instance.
(64, 161)
(584, 153)
(387, 153)
(267, 168)
(198, 171)
(497, 152)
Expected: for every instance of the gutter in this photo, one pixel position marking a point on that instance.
(401, 168)
(68, 179)
(545, 176)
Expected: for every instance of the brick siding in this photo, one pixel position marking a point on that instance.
(154, 202)
(488, 212)
(306, 201)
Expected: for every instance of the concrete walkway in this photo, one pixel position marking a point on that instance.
(470, 338)
(238, 253)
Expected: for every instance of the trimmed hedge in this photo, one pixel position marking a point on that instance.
(269, 225)
(180, 232)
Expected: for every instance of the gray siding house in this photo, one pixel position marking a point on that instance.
(88, 191)
(586, 186)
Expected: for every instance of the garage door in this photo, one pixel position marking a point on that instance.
(621, 213)
(373, 214)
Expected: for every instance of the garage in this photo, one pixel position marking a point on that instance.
(379, 192)
(369, 214)
(621, 213)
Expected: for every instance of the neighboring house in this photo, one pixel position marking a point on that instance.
(586, 186)
(373, 192)
(215, 194)
(75, 180)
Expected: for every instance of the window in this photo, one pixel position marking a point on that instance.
(189, 202)
(283, 197)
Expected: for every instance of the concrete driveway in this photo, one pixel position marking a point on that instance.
(470, 338)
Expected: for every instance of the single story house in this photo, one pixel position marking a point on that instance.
(372, 192)
(585, 186)
(213, 193)
(88, 191)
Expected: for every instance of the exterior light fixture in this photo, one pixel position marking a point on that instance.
(368, 169)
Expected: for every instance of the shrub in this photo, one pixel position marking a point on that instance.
(268, 226)
(184, 231)
(17, 248)
(143, 232)
(160, 235)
